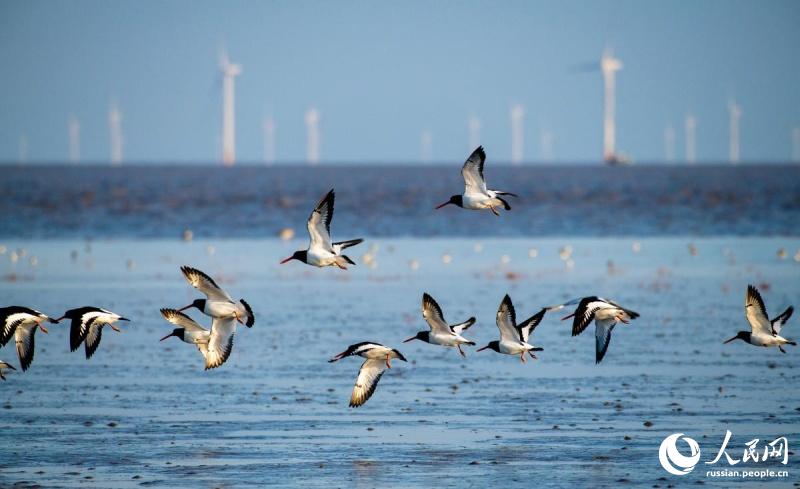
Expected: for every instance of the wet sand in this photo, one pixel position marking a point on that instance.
(143, 413)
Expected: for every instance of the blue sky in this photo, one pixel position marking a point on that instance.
(382, 72)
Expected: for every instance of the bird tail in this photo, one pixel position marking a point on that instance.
(348, 243)
(538, 349)
(500, 192)
(54, 321)
(347, 259)
(505, 204)
(793, 343)
(470, 343)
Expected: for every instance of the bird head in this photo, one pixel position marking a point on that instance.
(422, 336)
(177, 332)
(493, 345)
(300, 255)
(455, 200)
(741, 335)
(200, 304)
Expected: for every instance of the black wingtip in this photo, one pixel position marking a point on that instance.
(251, 318)
(348, 260)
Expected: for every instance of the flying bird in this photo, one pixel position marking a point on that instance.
(22, 323)
(763, 332)
(476, 196)
(87, 326)
(321, 251)
(605, 313)
(514, 337)
(441, 333)
(215, 345)
(218, 304)
(377, 361)
(5, 366)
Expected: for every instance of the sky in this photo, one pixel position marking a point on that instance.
(382, 73)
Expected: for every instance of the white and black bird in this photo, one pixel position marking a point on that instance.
(215, 345)
(441, 333)
(218, 304)
(22, 323)
(763, 331)
(378, 359)
(322, 252)
(87, 326)
(605, 313)
(514, 338)
(476, 196)
(5, 366)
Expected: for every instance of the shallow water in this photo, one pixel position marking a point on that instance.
(141, 412)
(256, 202)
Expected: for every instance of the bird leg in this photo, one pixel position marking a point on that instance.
(341, 266)
(621, 319)
(115, 328)
(387, 362)
(522, 357)
(494, 211)
(781, 349)
(530, 352)
(461, 351)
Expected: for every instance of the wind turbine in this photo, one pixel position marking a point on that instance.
(517, 133)
(269, 140)
(669, 143)
(609, 65)
(735, 114)
(690, 128)
(74, 129)
(474, 125)
(312, 143)
(115, 132)
(229, 72)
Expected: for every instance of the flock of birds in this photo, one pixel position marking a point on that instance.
(216, 343)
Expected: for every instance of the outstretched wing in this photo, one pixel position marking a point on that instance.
(93, 336)
(24, 338)
(584, 313)
(433, 315)
(526, 327)
(779, 321)
(755, 312)
(205, 284)
(220, 343)
(602, 337)
(180, 319)
(319, 223)
(368, 376)
(461, 327)
(507, 320)
(79, 327)
(472, 171)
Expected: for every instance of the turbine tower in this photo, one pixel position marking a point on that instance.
(735, 114)
(690, 127)
(517, 134)
(426, 146)
(115, 131)
(312, 143)
(269, 140)
(229, 72)
(74, 128)
(609, 65)
(474, 125)
(669, 143)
